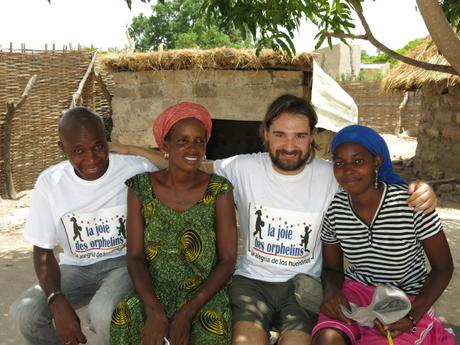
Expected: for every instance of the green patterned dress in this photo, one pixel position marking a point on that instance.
(181, 251)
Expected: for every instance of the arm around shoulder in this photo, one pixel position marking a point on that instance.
(155, 157)
(422, 197)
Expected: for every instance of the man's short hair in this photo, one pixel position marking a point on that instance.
(74, 118)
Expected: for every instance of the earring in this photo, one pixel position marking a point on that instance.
(166, 155)
(376, 183)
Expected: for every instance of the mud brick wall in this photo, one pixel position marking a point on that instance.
(438, 148)
(138, 97)
(378, 109)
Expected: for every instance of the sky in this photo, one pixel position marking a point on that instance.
(103, 23)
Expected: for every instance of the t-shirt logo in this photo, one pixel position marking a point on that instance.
(281, 237)
(94, 235)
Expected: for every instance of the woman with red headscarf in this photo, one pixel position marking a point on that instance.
(181, 242)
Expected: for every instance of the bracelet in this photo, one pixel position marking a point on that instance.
(413, 330)
(52, 295)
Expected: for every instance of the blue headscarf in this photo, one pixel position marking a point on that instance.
(374, 143)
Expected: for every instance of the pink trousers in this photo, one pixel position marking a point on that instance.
(430, 331)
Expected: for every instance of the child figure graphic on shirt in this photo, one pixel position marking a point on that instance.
(384, 242)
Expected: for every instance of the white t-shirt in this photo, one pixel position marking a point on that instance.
(86, 218)
(279, 215)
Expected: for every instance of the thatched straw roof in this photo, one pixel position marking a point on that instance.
(407, 77)
(222, 58)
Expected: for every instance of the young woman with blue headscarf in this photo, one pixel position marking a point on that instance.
(384, 241)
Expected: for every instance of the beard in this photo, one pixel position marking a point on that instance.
(291, 165)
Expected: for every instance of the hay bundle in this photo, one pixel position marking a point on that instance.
(220, 58)
(407, 77)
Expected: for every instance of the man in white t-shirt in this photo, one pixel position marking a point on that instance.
(281, 196)
(81, 205)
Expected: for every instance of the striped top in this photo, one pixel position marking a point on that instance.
(390, 250)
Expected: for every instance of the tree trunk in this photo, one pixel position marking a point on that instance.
(441, 32)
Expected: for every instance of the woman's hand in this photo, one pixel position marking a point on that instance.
(180, 327)
(396, 329)
(331, 305)
(155, 329)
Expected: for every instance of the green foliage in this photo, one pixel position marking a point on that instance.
(382, 58)
(347, 78)
(274, 22)
(179, 24)
(370, 76)
(451, 9)
(129, 2)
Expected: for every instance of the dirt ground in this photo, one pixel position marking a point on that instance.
(16, 270)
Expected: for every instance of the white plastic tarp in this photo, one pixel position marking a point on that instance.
(335, 108)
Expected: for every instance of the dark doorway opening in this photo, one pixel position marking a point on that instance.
(231, 138)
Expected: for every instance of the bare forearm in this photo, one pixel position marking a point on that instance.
(215, 281)
(47, 270)
(434, 286)
(332, 280)
(438, 253)
(66, 321)
(155, 157)
(49, 277)
(143, 285)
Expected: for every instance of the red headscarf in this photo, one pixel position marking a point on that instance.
(170, 116)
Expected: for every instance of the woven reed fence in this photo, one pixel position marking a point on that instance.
(379, 109)
(34, 133)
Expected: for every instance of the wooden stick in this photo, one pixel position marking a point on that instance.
(105, 91)
(11, 110)
(76, 98)
(401, 108)
(442, 181)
